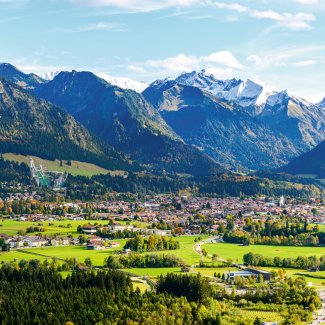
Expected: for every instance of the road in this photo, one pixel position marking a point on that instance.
(320, 319)
(198, 250)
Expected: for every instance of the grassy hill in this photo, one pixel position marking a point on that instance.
(76, 168)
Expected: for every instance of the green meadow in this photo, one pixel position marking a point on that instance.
(236, 252)
(76, 167)
(11, 227)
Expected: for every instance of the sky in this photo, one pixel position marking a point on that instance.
(279, 42)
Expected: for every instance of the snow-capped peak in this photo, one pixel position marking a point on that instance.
(125, 83)
(321, 103)
(49, 75)
(245, 93)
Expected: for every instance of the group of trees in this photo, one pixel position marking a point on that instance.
(106, 297)
(143, 261)
(194, 288)
(300, 262)
(152, 243)
(39, 295)
(293, 299)
(291, 231)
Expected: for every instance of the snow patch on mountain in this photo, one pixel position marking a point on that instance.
(321, 103)
(49, 75)
(252, 94)
(125, 83)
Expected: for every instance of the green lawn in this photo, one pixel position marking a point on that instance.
(321, 227)
(78, 252)
(236, 252)
(186, 251)
(143, 287)
(11, 227)
(11, 256)
(153, 272)
(76, 168)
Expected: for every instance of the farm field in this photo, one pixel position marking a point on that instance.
(78, 252)
(76, 168)
(12, 255)
(321, 227)
(10, 227)
(236, 252)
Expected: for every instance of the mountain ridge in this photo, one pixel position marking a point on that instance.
(125, 120)
(29, 125)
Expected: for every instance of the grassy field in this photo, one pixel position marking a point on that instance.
(11, 227)
(140, 285)
(14, 255)
(236, 252)
(322, 227)
(76, 168)
(78, 252)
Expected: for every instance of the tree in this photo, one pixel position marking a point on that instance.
(214, 258)
(88, 262)
(257, 321)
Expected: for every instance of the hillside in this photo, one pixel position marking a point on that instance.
(233, 138)
(310, 164)
(282, 111)
(26, 81)
(77, 168)
(125, 120)
(30, 126)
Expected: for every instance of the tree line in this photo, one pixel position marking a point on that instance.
(300, 262)
(152, 243)
(143, 261)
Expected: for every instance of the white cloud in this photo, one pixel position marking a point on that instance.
(255, 59)
(293, 21)
(305, 63)
(141, 5)
(223, 64)
(224, 58)
(286, 56)
(308, 2)
(102, 26)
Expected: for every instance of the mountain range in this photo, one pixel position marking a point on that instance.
(32, 126)
(232, 137)
(125, 120)
(301, 121)
(193, 124)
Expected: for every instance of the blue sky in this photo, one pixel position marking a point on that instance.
(279, 42)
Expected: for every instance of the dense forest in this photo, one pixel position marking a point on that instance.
(108, 297)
